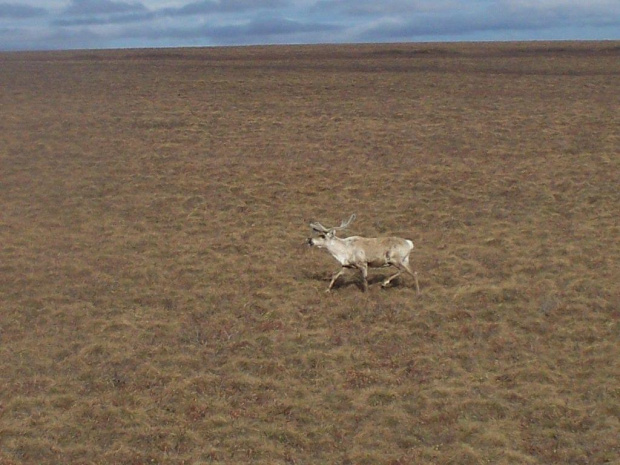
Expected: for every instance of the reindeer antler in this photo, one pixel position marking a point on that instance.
(345, 224)
(318, 227)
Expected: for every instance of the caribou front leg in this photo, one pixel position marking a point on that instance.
(336, 275)
(364, 270)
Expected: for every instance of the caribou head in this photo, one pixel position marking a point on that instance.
(325, 234)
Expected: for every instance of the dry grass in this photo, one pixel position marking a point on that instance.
(159, 306)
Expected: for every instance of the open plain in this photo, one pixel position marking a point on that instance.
(158, 303)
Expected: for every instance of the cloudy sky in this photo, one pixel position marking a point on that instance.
(79, 24)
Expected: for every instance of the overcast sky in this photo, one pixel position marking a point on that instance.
(80, 24)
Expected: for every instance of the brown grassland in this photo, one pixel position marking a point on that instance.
(158, 304)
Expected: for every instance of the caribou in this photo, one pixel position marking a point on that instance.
(364, 252)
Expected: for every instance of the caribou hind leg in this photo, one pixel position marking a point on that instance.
(408, 269)
(386, 282)
(414, 274)
(403, 266)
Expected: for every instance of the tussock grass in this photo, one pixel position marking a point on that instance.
(159, 304)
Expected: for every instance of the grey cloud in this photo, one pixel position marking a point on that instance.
(105, 19)
(486, 18)
(594, 13)
(451, 25)
(275, 26)
(269, 29)
(230, 6)
(86, 13)
(73, 38)
(16, 39)
(367, 8)
(84, 23)
(15, 11)
(98, 7)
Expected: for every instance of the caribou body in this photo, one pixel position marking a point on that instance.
(364, 252)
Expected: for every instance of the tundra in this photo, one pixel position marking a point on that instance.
(364, 252)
